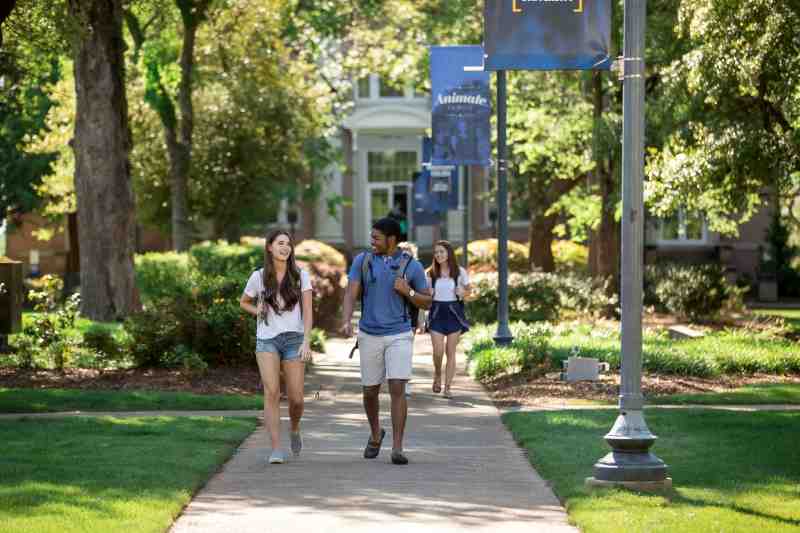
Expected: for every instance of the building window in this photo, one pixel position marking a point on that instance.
(683, 228)
(362, 88)
(391, 90)
(391, 166)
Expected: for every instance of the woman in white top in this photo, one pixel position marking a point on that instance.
(446, 318)
(279, 295)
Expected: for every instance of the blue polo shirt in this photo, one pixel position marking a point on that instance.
(383, 312)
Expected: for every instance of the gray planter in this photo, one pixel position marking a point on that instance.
(767, 290)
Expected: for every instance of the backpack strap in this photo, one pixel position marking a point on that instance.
(405, 260)
(366, 264)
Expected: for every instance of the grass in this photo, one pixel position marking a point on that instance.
(792, 316)
(760, 394)
(81, 324)
(108, 474)
(732, 472)
(53, 400)
(718, 353)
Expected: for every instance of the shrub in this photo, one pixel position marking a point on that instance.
(570, 256)
(529, 352)
(45, 293)
(483, 256)
(494, 361)
(328, 282)
(184, 358)
(692, 291)
(100, 338)
(163, 275)
(311, 251)
(536, 296)
(223, 259)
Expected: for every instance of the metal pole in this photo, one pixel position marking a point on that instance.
(443, 216)
(465, 217)
(503, 335)
(630, 462)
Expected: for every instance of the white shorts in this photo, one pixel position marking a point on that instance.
(387, 357)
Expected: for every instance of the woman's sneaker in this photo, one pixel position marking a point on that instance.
(277, 457)
(297, 443)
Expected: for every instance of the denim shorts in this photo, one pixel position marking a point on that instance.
(286, 345)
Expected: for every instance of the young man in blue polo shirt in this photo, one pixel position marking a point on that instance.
(385, 339)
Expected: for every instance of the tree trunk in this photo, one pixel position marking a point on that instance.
(607, 237)
(542, 194)
(179, 164)
(179, 136)
(106, 219)
(72, 277)
(540, 251)
(604, 242)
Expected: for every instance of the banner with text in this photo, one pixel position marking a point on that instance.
(547, 34)
(461, 106)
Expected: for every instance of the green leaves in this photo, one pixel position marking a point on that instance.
(730, 110)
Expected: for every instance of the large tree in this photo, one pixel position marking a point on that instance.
(732, 108)
(106, 219)
(550, 129)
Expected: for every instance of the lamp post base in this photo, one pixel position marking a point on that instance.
(630, 460)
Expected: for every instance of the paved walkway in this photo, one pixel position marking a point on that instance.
(466, 472)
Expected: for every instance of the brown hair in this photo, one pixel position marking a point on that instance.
(289, 290)
(452, 264)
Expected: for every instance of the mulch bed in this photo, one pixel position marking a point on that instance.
(242, 380)
(517, 391)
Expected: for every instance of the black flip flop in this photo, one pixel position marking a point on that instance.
(373, 448)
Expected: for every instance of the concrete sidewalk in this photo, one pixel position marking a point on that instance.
(466, 472)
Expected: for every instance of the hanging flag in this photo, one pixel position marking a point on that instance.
(461, 106)
(547, 34)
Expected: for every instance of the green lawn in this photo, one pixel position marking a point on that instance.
(108, 474)
(51, 400)
(81, 324)
(777, 393)
(732, 472)
(792, 316)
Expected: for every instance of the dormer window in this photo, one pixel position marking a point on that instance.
(372, 87)
(389, 90)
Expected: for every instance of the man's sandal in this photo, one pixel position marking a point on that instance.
(373, 448)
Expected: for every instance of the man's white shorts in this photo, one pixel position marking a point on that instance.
(387, 357)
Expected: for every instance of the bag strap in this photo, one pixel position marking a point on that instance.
(365, 266)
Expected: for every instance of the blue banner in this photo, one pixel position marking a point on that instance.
(547, 34)
(435, 189)
(425, 206)
(461, 107)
